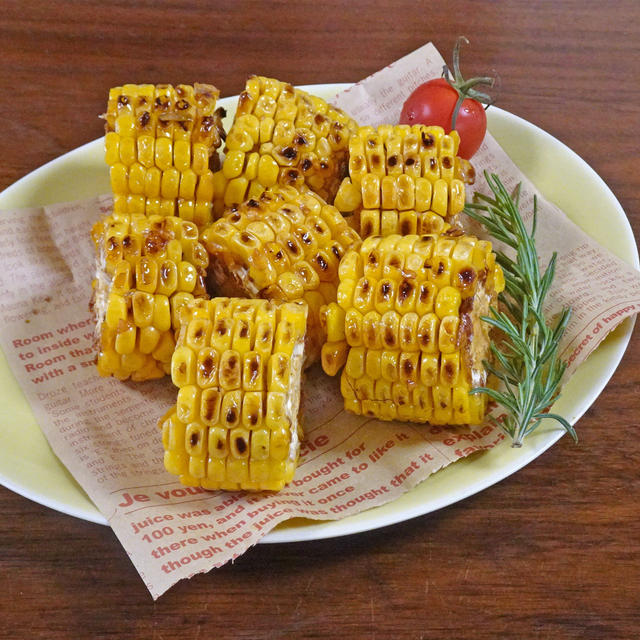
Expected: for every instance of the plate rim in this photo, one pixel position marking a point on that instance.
(371, 519)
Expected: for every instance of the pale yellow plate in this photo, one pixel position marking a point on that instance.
(29, 467)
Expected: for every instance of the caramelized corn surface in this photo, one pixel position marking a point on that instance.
(406, 327)
(237, 366)
(283, 245)
(403, 179)
(161, 146)
(148, 267)
(282, 135)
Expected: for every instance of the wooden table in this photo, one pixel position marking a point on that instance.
(551, 552)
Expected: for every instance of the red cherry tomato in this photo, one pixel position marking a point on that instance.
(432, 103)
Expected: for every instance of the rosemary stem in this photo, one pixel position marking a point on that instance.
(526, 357)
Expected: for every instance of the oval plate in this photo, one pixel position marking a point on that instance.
(30, 468)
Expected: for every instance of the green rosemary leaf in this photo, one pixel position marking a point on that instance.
(506, 402)
(525, 359)
(508, 370)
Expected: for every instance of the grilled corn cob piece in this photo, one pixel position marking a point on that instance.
(404, 180)
(148, 268)
(286, 136)
(406, 327)
(282, 245)
(161, 146)
(237, 366)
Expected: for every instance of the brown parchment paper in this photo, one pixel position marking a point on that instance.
(104, 431)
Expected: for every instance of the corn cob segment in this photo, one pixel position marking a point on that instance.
(148, 268)
(285, 136)
(404, 180)
(161, 146)
(406, 327)
(237, 366)
(283, 245)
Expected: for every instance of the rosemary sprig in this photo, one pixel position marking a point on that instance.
(526, 357)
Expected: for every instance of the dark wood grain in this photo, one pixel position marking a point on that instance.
(551, 552)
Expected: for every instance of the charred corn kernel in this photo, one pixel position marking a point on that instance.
(427, 333)
(429, 369)
(140, 289)
(165, 136)
(210, 406)
(414, 347)
(333, 356)
(122, 278)
(230, 373)
(353, 327)
(408, 332)
(363, 296)
(363, 388)
(234, 425)
(442, 408)
(449, 368)
(283, 245)
(389, 328)
(207, 366)
(283, 135)
(398, 169)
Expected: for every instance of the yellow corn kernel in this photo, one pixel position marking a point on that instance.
(440, 198)
(188, 403)
(371, 191)
(405, 192)
(334, 320)
(111, 147)
(116, 311)
(442, 407)
(146, 151)
(119, 177)
(448, 334)
(447, 302)
(348, 197)
(164, 153)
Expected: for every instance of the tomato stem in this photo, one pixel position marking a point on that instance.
(465, 88)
